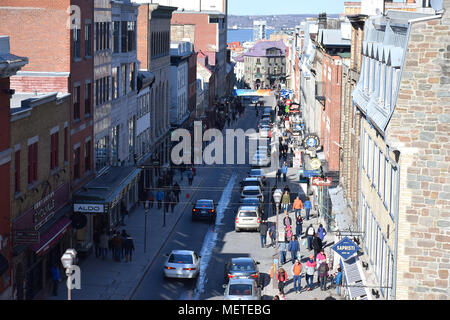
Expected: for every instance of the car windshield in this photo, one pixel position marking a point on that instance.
(242, 266)
(180, 258)
(240, 290)
(251, 183)
(256, 172)
(248, 214)
(251, 192)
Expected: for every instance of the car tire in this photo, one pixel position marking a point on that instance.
(237, 229)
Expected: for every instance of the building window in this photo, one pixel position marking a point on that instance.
(115, 82)
(376, 166)
(381, 170)
(124, 79)
(132, 76)
(124, 30)
(394, 182)
(87, 40)
(131, 35)
(87, 99)
(66, 144)
(32, 162)
(87, 156)
(54, 142)
(131, 135)
(77, 43)
(116, 35)
(115, 143)
(101, 153)
(17, 171)
(76, 103)
(76, 163)
(387, 185)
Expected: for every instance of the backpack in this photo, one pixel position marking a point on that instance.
(323, 268)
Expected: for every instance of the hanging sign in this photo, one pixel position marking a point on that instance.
(345, 248)
(321, 182)
(311, 142)
(315, 164)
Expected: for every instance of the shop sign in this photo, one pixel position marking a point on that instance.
(88, 208)
(345, 248)
(315, 164)
(321, 182)
(43, 210)
(311, 142)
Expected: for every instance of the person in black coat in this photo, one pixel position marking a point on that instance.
(263, 233)
(128, 245)
(316, 244)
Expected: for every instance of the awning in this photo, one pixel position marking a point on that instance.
(3, 264)
(342, 214)
(353, 279)
(52, 235)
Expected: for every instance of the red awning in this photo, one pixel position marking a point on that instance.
(52, 235)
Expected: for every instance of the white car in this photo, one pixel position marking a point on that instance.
(247, 218)
(264, 132)
(242, 289)
(252, 192)
(183, 264)
(260, 159)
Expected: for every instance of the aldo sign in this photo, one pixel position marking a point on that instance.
(88, 208)
(345, 248)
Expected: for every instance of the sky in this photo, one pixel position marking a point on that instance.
(268, 7)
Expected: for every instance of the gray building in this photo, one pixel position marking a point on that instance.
(265, 65)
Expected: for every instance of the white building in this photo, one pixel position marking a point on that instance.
(259, 30)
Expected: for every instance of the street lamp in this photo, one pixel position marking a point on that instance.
(68, 259)
(277, 199)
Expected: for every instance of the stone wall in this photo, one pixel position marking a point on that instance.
(419, 129)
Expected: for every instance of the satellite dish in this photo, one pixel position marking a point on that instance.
(437, 5)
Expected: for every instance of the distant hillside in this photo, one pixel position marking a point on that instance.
(277, 22)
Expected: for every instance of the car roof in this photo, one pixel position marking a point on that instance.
(241, 259)
(248, 208)
(241, 281)
(182, 252)
(260, 170)
(205, 200)
(251, 179)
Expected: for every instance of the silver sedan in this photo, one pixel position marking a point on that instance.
(242, 289)
(182, 264)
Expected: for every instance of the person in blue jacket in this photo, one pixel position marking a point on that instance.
(293, 248)
(308, 206)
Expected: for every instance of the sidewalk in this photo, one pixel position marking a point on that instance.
(110, 280)
(266, 262)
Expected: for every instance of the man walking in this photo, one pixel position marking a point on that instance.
(263, 233)
(272, 234)
(323, 275)
(310, 235)
(294, 248)
(310, 270)
(297, 206)
(297, 275)
(284, 171)
(308, 207)
(129, 248)
(282, 247)
(177, 190)
(103, 244)
(316, 245)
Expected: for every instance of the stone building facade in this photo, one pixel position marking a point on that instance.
(403, 207)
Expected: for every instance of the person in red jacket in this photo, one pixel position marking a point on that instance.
(281, 278)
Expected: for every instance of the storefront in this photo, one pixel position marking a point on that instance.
(103, 201)
(40, 236)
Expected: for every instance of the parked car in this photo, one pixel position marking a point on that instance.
(252, 192)
(254, 202)
(264, 132)
(247, 218)
(259, 173)
(242, 289)
(182, 264)
(204, 209)
(252, 181)
(264, 149)
(260, 159)
(242, 268)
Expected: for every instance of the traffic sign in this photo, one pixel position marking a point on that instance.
(345, 248)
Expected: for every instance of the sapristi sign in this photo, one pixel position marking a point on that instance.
(345, 248)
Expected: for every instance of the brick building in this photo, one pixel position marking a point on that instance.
(9, 65)
(40, 190)
(61, 60)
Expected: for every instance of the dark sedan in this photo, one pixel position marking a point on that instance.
(245, 268)
(204, 209)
